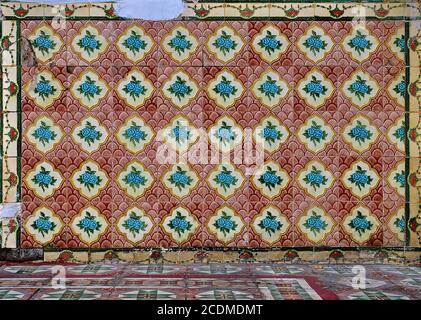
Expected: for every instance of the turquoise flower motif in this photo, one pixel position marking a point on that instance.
(89, 88)
(400, 88)
(44, 88)
(44, 134)
(134, 224)
(315, 178)
(89, 179)
(89, 134)
(179, 43)
(225, 89)
(269, 43)
(44, 179)
(180, 133)
(89, 43)
(43, 43)
(315, 88)
(269, 88)
(134, 88)
(225, 43)
(315, 223)
(269, 224)
(179, 224)
(270, 179)
(43, 224)
(360, 178)
(225, 179)
(134, 42)
(400, 178)
(400, 43)
(360, 88)
(135, 179)
(225, 134)
(225, 224)
(270, 133)
(360, 223)
(179, 88)
(315, 133)
(89, 224)
(314, 43)
(400, 223)
(400, 133)
(360, 133)
(134, 133)
(180, 178)
(360, 43)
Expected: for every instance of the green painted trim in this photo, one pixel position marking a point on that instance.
(407, 149)
(19, 112)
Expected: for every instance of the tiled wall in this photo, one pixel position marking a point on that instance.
(325, 100)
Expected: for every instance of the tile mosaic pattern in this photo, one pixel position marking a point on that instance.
(208, 281)
(83, 130)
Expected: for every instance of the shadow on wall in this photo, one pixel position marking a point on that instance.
(135, 9)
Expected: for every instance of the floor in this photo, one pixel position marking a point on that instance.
(208, 281)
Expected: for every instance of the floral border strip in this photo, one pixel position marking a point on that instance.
(229, 10)
(9, 129)
(288, 255)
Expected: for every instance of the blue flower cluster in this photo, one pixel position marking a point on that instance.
(226, 178)
(270, 87)
(179, 223)
(359, 177)
(360, 42)
(315, 178)
(135, 178)
(181, 178)
(270, 133)
(360, 132)
(135, 133)
(314, 133)
(135, 42)
(44, 133)
(270, 42)
(224, 42)
(43, 178)
(225, 88)
(270, 223)
(89, 133)
(44, 42)
(401, 87)
(224, 223)
(89, 42)
(225, 133)
(359, 87)
(135, 224)
(136, 88)
(314, 87)
(181, 88)
(360, 223)
(43, 87)
(180, 133)
(43, 224)
(400, 132)
(314, 42)
(315, 223)
(270, 178)
(89, 178)
(89, 223)
(179, 42)
(89, 88)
